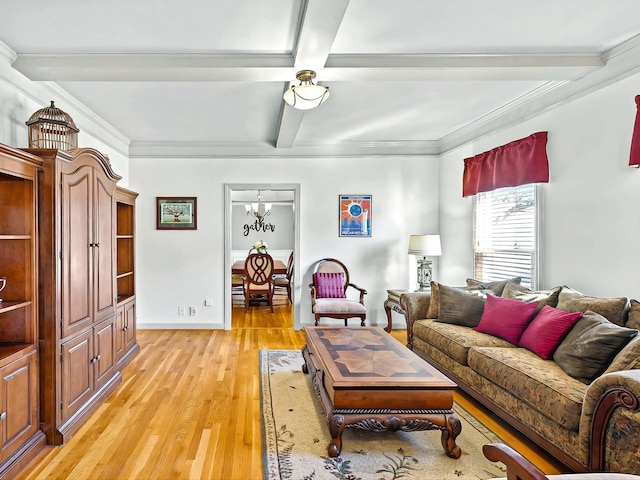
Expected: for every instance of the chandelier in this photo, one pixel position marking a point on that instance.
(259, 210)
(307, 95)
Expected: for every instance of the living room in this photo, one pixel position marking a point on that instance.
(589, 212)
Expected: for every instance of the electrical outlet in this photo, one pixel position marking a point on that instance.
(208, 302)
(182, 311)
(193, 311)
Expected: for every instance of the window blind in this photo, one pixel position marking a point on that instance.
(505, 232)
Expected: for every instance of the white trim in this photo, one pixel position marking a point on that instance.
(228, 257)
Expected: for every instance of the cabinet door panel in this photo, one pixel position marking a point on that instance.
(105, 352)
(130, 325)
(77, 236)
(77, 372)
(19, 391)
(120, 331)
(105, 253)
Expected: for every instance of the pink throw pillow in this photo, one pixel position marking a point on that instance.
(329, 285)
(506, 318)
(547, 330)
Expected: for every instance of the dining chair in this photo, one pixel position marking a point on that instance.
(258, 269)
(237, 284)
(329, 293)
(285, 282)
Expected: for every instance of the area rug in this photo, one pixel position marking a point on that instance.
(295, 437)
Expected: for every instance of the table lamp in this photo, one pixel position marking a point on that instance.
(424, 246)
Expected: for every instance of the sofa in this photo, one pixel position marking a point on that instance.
(560, 366)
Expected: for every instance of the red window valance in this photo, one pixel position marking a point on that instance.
(516, 163)
(634, 156)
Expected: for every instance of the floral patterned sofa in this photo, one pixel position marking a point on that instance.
(577, 396)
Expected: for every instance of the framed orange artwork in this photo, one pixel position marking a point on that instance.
(355, 215)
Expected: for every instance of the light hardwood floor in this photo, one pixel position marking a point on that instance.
(189, 408)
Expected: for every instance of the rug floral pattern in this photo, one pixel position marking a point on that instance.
(295, 437)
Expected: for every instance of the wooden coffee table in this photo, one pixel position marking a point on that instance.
(368, 380)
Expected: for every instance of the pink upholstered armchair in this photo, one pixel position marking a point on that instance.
(329, 293)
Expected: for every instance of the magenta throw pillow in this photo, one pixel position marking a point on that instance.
(547, 330)
(506, 318)
(329, 285)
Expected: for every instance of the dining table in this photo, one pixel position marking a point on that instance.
(279, 267)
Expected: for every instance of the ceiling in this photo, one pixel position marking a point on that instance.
(206, 78)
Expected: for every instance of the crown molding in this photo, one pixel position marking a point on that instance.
(7, 54)
(620, 62)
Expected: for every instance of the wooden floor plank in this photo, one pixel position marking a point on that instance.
(189, 408)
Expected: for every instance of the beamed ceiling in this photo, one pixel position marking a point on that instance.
(206, 78)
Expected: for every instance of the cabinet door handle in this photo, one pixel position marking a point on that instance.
(98, 357)
(3, 415)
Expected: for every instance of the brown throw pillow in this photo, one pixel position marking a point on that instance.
(615, 310)
(543, 297)
(460, 306)
(590, 346)
(434, 302)
(497, 286)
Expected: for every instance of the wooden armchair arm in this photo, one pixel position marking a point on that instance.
(312, 286)
(363, 292)
(518, 467)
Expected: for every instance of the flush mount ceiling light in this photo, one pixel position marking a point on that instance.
(307, 95)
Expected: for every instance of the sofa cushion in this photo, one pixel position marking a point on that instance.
(506, 318)
(545, 332)
(459, 306)
(628, 358)
(543, 297)
(633, 319)
(496, 286)
(329, 285)
(454, 340)
(541, 384)
(590, 346)
(613, 309)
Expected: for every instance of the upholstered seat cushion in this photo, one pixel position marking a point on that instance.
(540, 383)
(454, 340)
(338, 305)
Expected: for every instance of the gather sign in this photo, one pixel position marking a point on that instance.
(258, 226)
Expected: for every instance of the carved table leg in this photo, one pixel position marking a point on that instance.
(387, 310)
(449, 434)
(336, 427)
(305, 356)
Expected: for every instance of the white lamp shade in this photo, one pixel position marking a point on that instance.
(306, 97)
(425, 245)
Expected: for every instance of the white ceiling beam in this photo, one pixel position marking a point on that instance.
(278, 68)
(318, 28)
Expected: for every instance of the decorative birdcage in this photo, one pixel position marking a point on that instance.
(50, 127)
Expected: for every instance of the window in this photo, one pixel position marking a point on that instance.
(505, 232)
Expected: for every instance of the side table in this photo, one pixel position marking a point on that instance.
(393, 303)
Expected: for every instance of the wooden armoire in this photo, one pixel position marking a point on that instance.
(78, 288)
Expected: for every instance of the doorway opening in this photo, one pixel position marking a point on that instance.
(240, 230)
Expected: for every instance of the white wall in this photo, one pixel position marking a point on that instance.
(183, 268)
(591, 220)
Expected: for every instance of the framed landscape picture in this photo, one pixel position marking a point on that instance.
(176, 213)
(355, 215)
